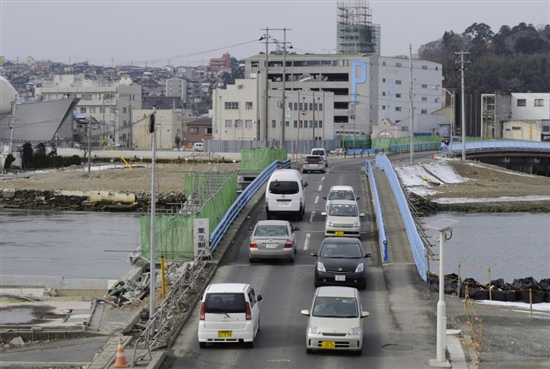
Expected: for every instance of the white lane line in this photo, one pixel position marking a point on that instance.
(306, 243)
(322, 179)
(320, 187)
(316, 199)
(312, 216)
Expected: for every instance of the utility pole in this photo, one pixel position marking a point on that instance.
(313, 92)
(282, 145)
(266, 97)
(152, 265)
(462, 105)
(411, 114)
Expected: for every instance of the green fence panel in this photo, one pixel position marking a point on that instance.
(257, 159)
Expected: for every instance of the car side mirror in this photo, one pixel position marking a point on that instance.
(259, 298)
(306, 312)
(313, 254)
(297, 229)
(364, 314)
(324, 213)
(305, 184)
(368, 255)
(324, 198)
(357, 198)
(361, 214)
(250, 229)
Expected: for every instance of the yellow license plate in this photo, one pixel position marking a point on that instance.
(339, 233)
(328, 345)
(225, 334)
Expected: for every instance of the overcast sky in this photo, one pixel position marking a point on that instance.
(183, 32)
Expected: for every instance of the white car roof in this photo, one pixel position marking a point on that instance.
(341, 188)
(272, 222)
(227, 287)
(339, 291)
(343, 202)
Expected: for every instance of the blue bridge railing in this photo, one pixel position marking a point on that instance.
(243, 200)
(383, 241)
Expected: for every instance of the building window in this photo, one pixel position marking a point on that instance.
(248, 123)
(423, 111)
(383, 80)
(398, 82)
(320, 124)
(102, 110)
(287, 123)
(522, 102)
(539, 102)
(193, 130)
(228, 123)
(295, 106)
(208, 130)
(290, 106)
(124, 110)
(83, 110)
(383, 93)
(398, 65)
(273, 124)
(248, 105)
(397, 108)
(113, 111)
(231, 105)
(320, 106)
(424, 67)
(301, 124)
(92, 110)
(383, 107)
(516, 128)
(383, 63)
(424, 86)
(310, 106)
(295, 124)
(424, 98)
(310, 124)
(398, 121)
(239, 123)
(398, 96)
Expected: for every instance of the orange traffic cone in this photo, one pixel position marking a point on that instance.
(120, 361)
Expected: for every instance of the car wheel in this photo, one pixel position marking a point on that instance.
(363, 286)
(268, 215)
(358, 352)
(258, 326)
(202, 345)
(316, 283)
(251, 260)
(291, 260)
(250, 344)
(309, 351)
(301, 215)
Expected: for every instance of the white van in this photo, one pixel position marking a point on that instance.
(285, 194)
(199, 146)
(229, 313)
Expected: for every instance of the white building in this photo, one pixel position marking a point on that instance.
(359, 90)
(109, 103)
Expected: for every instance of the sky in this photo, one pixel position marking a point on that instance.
(186, 32)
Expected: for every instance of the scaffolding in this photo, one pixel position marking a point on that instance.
(355, 32)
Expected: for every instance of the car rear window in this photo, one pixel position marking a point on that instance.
(341, 195)
(283, 187)
(338, 210)
(225, 303)
(270, 230)
(313, 159)
(318, 152)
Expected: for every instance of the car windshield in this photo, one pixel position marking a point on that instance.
(341, 195)
(271, 231)
(341, 250)
(224, 303)
(283, 187)
(335, 307)
(339, 210)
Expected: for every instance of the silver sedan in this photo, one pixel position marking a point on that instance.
(273, 239)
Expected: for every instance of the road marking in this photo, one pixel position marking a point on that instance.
(306, 242)
(316, 199)
(322, 179)
(320, 187)
(312, 216)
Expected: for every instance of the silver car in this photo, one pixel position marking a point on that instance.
(343, 219)
(273, 239)
(335, 320)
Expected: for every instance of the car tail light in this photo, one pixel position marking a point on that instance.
(288, 244)
(266, 203)
(253, 244)
(248, 312)
(201, 316)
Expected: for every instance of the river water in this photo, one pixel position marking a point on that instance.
(70, 244)
(96, 245)
(512, 245)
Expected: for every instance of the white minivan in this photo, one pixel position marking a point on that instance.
(230, 312)
(284, 194)
(321, 152)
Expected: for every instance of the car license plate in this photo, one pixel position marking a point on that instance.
(339, 233)
(270, 245)
(225, 334)
(328, 345)
(340, 278)
(284, 203)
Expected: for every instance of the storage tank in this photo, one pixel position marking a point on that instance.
(7, 94)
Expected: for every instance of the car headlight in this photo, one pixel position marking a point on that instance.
(321, 266)
(356, 224)
(329, 223)
(360, 268)
(355, 331)
(314, 330)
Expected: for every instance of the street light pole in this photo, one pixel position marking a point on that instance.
(266, 101)
(282, 145)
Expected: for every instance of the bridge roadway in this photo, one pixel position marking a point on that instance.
(401, 329)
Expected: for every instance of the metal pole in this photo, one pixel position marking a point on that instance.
(463, 112)
(313, 98)
(284, 92)
(266, 126)
(441, 306)
(89, 143)
(411, 115)
(152, 282)
(299, 124)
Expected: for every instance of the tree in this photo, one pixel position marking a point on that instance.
(177, 141)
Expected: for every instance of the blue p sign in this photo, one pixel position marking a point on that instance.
(358, 76)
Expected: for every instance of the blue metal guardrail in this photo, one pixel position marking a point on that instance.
(241, 201)
(500, 144)
(417, 247)
(383, 241)
(361, 151)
